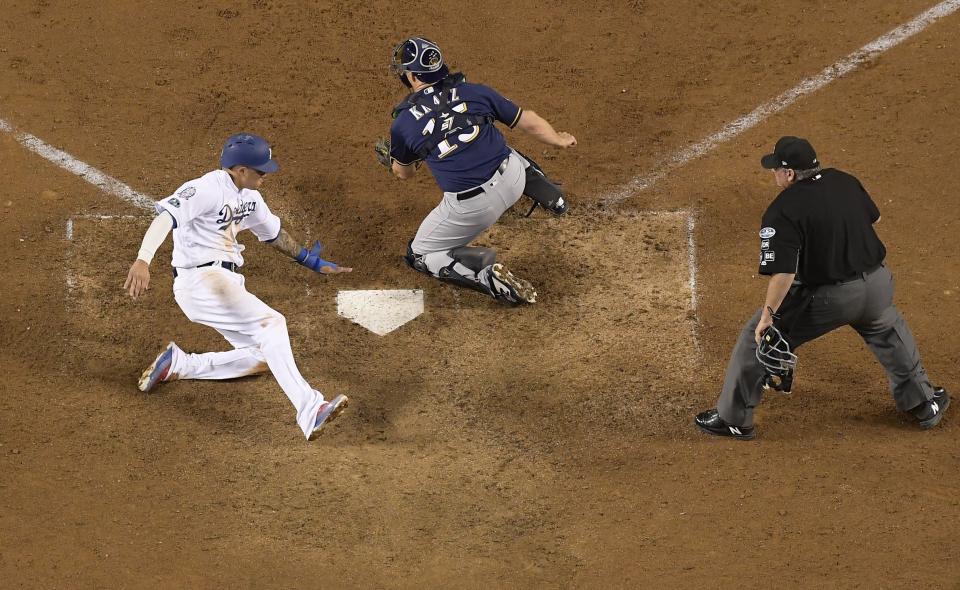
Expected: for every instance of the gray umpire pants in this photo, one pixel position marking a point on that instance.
(455, 223)
(865, 304)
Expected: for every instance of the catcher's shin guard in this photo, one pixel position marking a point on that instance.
(447, 274)
(542, 190)
(475, 258)
(415, 261)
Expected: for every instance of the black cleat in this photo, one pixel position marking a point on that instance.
(711, 423)
(510, 288)
(929, 413)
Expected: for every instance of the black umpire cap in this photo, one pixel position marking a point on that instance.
(791, 152)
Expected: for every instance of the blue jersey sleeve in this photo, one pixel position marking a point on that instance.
(399, 150)
(504, 109)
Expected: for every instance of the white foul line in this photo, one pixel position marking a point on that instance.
(859, 57)
(692, 269)
(692, 258)
(64, 160)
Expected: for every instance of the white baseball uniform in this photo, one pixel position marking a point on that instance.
(208, 213)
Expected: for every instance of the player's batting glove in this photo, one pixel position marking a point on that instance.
(311, 258)
(382, 149)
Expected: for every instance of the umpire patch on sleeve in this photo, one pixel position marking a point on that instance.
(767, 233)
(764, 244)
(769, 256)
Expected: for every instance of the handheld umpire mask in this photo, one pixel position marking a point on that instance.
(778, 361)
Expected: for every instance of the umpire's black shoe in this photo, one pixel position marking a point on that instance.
(930, 412)
(711, 423)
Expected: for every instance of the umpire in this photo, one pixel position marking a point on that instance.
(825, 263)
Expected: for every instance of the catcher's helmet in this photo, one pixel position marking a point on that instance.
(247, 149)
(421, 57)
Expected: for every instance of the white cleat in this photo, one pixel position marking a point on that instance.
(157, 371)
(328, 412)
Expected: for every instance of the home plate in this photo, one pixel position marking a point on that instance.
(381, 311)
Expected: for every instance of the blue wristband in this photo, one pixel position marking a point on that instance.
(310, 260)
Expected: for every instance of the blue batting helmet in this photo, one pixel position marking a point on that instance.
(247, 149)
(421, 57)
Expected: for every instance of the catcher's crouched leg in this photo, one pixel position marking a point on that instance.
(475, 258)
(471, 260)
(542, 190)
(415, 261)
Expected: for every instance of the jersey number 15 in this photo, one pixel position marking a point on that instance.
(445, 146)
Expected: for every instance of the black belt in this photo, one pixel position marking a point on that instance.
(469, 194)
(858, 276)
(227, 265)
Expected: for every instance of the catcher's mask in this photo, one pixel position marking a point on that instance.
(421, 57)
(774, 354)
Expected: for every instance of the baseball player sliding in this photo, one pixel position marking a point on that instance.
(206, 214)
(449, 124)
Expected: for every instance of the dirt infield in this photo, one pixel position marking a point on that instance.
(485, 447)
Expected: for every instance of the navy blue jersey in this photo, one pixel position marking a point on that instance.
(465, 158)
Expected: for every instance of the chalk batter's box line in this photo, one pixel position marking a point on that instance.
(690, 227)
(68, 234)
(69, 230)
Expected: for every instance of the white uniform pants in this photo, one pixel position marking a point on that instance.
(216, 297)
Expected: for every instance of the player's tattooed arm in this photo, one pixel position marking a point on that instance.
(308, 257)
(286, 244)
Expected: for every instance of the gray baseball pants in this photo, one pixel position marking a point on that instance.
(455, 223)
(866, 305)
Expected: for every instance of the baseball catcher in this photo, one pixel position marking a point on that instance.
(450, 125)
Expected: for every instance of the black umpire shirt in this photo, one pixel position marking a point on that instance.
(822, 230)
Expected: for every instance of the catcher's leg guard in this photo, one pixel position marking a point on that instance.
(542, 190)
(415, 261)
(474, 257)
(448, 274)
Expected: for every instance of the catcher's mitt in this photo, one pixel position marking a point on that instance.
(382, 148)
